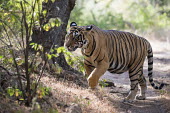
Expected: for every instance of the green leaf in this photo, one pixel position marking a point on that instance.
(53, 1)
(44, 12)
(21, 99)
(40, 47)
(29, 69)
(52, 24)
(51, 50)
(46, 27)
(49, 56)
(35, 46)
(1, 57)
(58, 22)
(10, 91)
(32, 44)
(60, 49)
(54, 55)
(45, 1)
(10, 60)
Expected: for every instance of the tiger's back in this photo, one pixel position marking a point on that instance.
(125, 50)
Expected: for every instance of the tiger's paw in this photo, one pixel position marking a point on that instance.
(140, 97)
(92, 82)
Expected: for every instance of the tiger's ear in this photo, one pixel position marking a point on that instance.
(88, 28)
(73, 24)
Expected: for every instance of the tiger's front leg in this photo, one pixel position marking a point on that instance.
(96, 74)
(88, 68)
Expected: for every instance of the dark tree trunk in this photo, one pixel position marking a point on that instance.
(55, 36)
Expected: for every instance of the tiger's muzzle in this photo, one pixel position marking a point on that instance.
(72, 48)
(76, 43)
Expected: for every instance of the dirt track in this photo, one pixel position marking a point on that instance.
(157, 101)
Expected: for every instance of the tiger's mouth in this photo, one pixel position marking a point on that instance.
(80, 44)
(70, 48)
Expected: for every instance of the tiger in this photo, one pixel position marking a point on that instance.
(114, 51)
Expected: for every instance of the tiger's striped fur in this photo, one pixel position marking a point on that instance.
(115, 51)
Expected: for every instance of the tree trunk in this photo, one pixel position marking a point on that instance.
(55, 36)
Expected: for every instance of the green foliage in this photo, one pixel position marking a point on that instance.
(14, 92)
(103, 83)
(43, 91)
(17, 20)
(124, 14)
(37, 47)
(11, 13)
(74, 61)
(1, 56)
(147, 16)
(40, 93)
(10, 91)
(102, 16)
(52, 23)
(5, 58)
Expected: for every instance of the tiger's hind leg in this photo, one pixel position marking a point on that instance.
(143, 88)
(134, 79)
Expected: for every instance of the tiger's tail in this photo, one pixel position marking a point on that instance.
(150, 69)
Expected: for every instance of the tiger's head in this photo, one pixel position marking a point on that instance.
(77, 37)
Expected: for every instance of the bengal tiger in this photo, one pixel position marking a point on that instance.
(115, 51)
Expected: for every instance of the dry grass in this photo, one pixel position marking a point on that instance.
(90, 101)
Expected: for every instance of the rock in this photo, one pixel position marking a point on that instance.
(74, 108)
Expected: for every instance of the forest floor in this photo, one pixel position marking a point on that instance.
(71, 94)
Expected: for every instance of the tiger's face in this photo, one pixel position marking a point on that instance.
(77, 37)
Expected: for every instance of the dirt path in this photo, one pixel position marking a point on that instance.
(156, 101)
